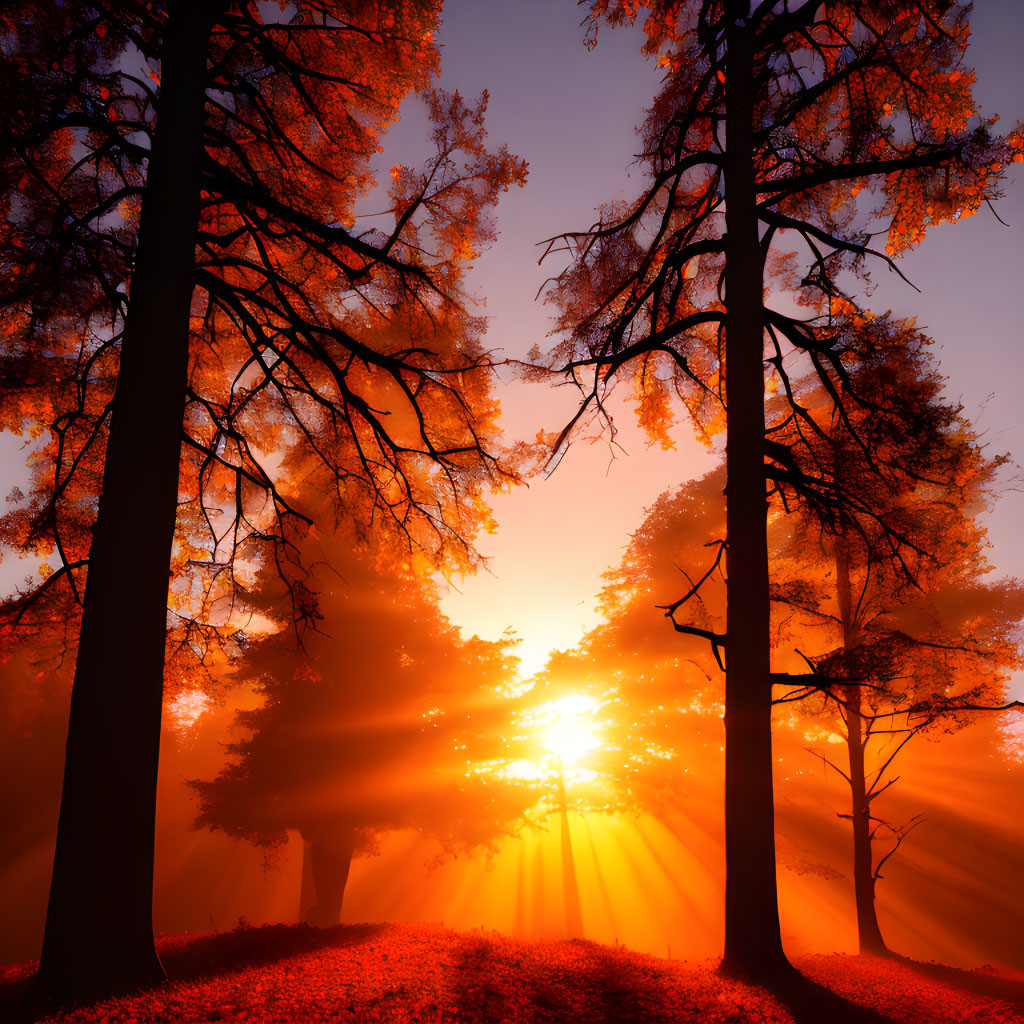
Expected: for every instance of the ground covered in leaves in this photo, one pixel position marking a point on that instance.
(429, 975)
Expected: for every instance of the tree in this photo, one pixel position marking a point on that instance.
(915, 632)
(927, 666)
(198, 238)
(569, 758)
(781, 129)
(372, 725)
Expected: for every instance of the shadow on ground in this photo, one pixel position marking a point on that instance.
(1008, 986)
(225, 952)
(811, 1003)
(426, 972)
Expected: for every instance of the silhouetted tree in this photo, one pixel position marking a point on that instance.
(374, 724)
(779, 125)
(179, 184)
(894, 587)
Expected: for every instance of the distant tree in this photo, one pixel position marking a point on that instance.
(660, 692)
(928, 667)
(899, 610)
(178, 185)
(569, 756)
(375, 723)
(779, 127)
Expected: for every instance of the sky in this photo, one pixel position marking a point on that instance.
(572, 114)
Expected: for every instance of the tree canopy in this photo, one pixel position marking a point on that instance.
(352, 349)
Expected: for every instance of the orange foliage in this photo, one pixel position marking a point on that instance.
(323, 361)
(887, 139)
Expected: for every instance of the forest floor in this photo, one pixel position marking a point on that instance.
(405, 973)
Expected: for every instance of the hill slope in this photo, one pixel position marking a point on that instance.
(429, 975)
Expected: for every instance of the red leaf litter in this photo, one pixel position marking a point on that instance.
(406, 973)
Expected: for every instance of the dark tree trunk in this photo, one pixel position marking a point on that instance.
(868, 933)
(753, 944)
(99, 933)
(331, 849)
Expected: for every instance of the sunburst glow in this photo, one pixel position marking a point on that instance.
(559, 736)
(567, 727)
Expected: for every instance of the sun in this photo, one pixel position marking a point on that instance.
(559, 734)
(566, 727)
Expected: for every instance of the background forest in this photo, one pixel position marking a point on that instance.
(419, 644)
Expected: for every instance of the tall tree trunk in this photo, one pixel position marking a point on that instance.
(753, 944)
(330, 857)
(869, 934)
(99, 933)
(570, 884)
